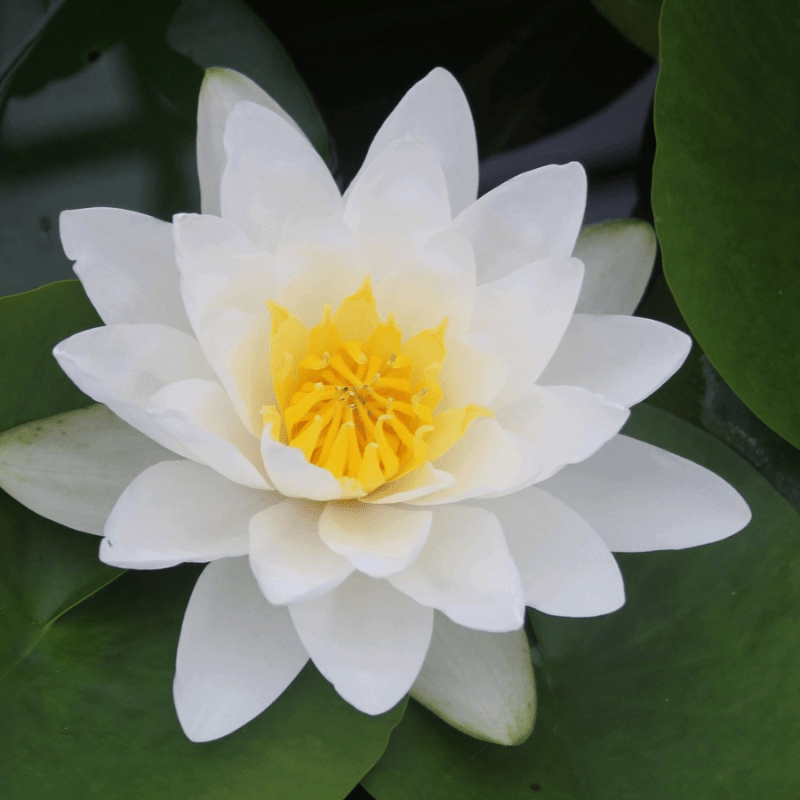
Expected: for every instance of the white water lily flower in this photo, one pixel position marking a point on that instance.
(388, 420)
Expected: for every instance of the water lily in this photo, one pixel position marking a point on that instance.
(389, 420)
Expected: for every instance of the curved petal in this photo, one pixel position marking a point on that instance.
(521, 318)
(639, 497)
(72, 468)
(220, 91)
(435, 280)
(470, 374)
(618, 255)
(126, 263)
(565, 566)
(200, 416)
(123, 366)
(466, 571)
(562, 424)
(398, 201)
(480, 683)
(533, 216)
(236, 653)
(180, 511)
(623, 358)
(287, 556)
(436, 110)
(367, 639)
(424, 480)
(378, 540)
(271, 169)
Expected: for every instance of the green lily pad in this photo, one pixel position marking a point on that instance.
(692, 689)
(726, 192)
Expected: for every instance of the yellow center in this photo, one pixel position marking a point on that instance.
(355, 398)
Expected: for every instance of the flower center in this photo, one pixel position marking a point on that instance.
(356, 399)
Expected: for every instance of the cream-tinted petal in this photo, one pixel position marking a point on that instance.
(72, 468)
(466, 571)
(424, 480)
(378, 540)
(479, 682)
(623, 358)
(619, 256)
(271, 170)
(126, 263)
(220, 91)
(236, 653)
(565, 567)
(639, 497)
(290, 561)
(435, 109)
(534, 216)
(180, 511)
(367, 639)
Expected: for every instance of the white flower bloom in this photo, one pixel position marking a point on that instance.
(389, 420)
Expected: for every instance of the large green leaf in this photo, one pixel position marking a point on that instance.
(636, 19)
(726, 192)
(692, 689)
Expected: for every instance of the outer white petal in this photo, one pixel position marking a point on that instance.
(123, 366)
(480, 683)
(367, 639)
(424, 480)
(221, 90)
(287, 556)
(521, 317)
(435, 109)
(398, 201)
(271, 170)
(236, 654)
(562, 424)
(639, 497)
(435, 280)
(180, 511)
(619, 256)
(533, 216)
(565, 566)
(485, 462)
(623, 358)
(199, 415)
(126, 263)
(466, 571)
(378, 540)
(73, 467)
(292, 475)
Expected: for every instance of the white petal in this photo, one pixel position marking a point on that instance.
(521, 318)
(565, 566)
(470, 375)
(73, 467)
(434, 281)
(436, 110)
(466, 571)
(480, 683)
(619, 256)
(126, 263)
(367, 639)
(378, 540)
(292, 475)
(426, 479)
(271, 169)
(533, 216)
(287, 556)
(562, 424)
(200, 416)
(639, 497)
(180, 511)
(623, 358)
(123, 366)
(236, 654)
(485, 462)
(398, 201)
(221, 90)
